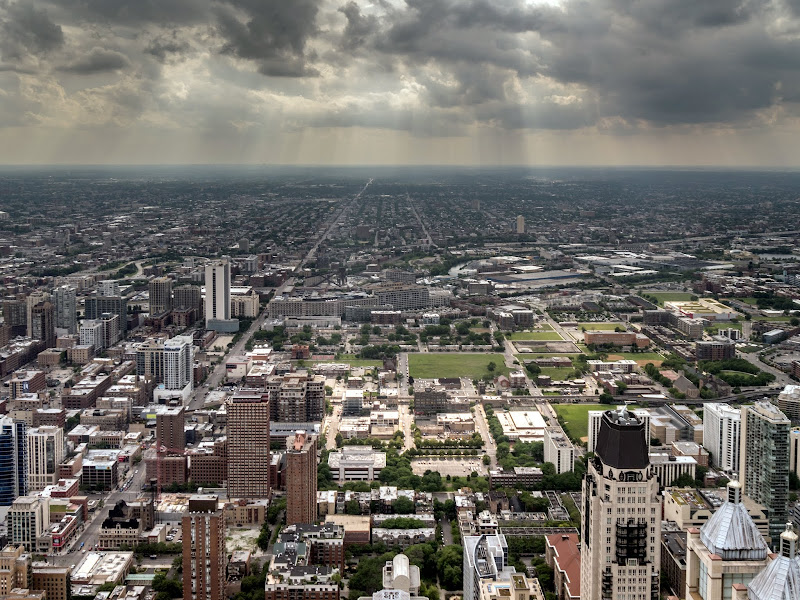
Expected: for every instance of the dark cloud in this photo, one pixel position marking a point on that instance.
(26, 30)
(272, 33)
(167, 47)
(98, 60)
(137, 12)
(358, 28)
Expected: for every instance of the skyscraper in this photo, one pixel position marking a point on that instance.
(485, 557)
(66, 306)
(170, 432)
(721, 435)
(43, 323)
(97, 306)
(248, 444)
(179, 362)
(204, 554)
(520, 224)
(218, 296)
(34, 299)
(621, 537)
(301, 478)
(45, 453)
(13, 460)
(160, 292)
(764, 461)
(187, 296)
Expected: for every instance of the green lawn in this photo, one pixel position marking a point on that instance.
(542, 336)
(431, 365)
(576, 416)
(544, 327)
(557, 373)
(670, 296)
(601, 326)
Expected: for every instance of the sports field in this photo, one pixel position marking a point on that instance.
(457, 364)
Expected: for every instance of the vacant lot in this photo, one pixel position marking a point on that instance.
(557, 373)
(601, 326)
(670, 296)
(472, 365)
(641, 358)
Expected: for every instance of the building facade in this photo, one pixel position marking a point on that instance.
(721, 435)
(45, 453)
(301, 479)
(204, 555)
(248, 445)
(13, 460)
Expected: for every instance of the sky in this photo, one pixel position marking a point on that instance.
(473, 82)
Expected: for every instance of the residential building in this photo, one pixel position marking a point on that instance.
(92, 334)
(150, 360)
(248, 445)
(621, 514)
(764, 454)
(789, 403)
(170, 434)
(160, 294)
(596, 416)
(721, 435)
(15, 569)
(520, 224)
(297, 397)
(179, 363)
(13, 460)
(187, 296)
(558, 449)
(27, 382)
(97, 306)
(794, 451)
(218, 297)
(715, 349)
(66, 306)
(301, 479)
(562, 553)
(673, 560)
(45, 453)
(55, 582)
(725, 551)
(668, 467)
(204, 554)
(485, 557)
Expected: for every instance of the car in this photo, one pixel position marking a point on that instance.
(153, 556)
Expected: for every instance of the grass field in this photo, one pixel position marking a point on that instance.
(544, 327)
(641, 358)
(576, 416)
(541, 336)
(432, 366)
(601, 326)
(557, 373)
(670, 296)
(353, 362)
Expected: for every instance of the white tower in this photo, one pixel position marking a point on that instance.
(621, 537)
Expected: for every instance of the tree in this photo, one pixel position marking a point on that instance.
(449, 566)
(486, 459)
(404, 506)
(606, 398)
(352, 507)
(491, 367)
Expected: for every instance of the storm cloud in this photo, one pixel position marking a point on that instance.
(426, 68)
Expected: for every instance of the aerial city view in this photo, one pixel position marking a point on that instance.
(399, 300)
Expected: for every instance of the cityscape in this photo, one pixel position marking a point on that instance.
(396, 383)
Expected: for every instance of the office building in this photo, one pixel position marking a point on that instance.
(520, 224)
(297, 397)
(485, 557)
(248, 444)
(621, 514)
(721, 435)
(13, 460)
(204, 554)
(726, 550)
(179, 363)
(66, 308)
(218, 297)
(15, 569)
(97, 306)
(92, 334)
(764, 472)
(170, 434)
(301, 478)
(53, 581)
(28, 518)
(558, 449)
(150, 360)
(45, 453)
(108, 288)
(160, 294)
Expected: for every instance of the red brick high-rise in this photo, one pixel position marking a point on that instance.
(248, 444)
(204, 554)
(301, 478)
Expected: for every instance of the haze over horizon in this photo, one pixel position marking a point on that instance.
(444, 82)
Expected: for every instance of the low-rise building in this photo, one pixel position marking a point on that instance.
(356, 463)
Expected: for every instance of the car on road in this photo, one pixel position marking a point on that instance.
(153, 556)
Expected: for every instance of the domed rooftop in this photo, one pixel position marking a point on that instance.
(731, 533)
(781, 579)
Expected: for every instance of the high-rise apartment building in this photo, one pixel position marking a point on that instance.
(187, 296)
(179, 362)
(150, 360)
(13, 460)
(794, 451)
(297, 397)
(108, 288)
(170, 433)
(160, 292)
(248, 444)
(520, 224)
(218, 296)
(558, 450)
(485, 557)
(45, 453)
(97, 306)
(721, 435)
(621, 514)
(204, 554)
(66, 308)
(15, 315)
(301, 478)
(596, 417)
(43, 323)
(764, 460)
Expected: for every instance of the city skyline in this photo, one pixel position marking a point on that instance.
(439, 82)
